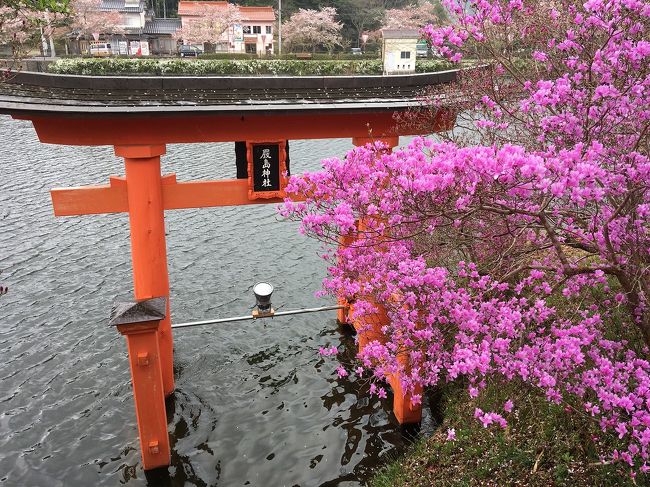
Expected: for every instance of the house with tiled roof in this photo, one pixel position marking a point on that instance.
(132, 12)
(142, 28)
(253, 35)
(159, 33)
(142, 33)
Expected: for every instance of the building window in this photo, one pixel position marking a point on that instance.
(251, 48)
(246, 29)
(268, 29)
(257, 29)
(405, 55)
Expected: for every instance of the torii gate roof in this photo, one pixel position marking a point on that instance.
(81, 110)
(41, 92)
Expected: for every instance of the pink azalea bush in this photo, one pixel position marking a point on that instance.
(512, 252)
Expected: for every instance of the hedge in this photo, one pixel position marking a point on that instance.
(316, 56)
(433, 65)
(198, 67)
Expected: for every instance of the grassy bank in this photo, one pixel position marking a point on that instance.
(543, 445)
(198, 67)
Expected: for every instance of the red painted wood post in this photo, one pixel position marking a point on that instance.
(403, 408)
(343, 315)
(139, 323)
(148, 247)
(370, 329)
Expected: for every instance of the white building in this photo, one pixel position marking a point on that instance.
(399, 50)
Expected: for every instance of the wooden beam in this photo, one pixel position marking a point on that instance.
(191, 128)
(112, 198)
(206, 194)
(89, 200)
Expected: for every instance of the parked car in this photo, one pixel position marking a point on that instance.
(421, 49)
(187, 50)
(100, 49)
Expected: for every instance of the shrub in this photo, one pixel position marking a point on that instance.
(117, 66)
(234, 66)
(432, 65)
(508, 250)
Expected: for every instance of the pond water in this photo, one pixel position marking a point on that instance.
(254, 403)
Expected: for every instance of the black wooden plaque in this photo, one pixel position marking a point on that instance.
(266, 167)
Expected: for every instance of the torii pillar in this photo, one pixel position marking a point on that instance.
(148, 247)
(405, 411)
(140, 323)
(145, 195)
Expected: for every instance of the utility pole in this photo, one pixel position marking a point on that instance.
(279, 27)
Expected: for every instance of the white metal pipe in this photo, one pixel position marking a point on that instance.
(251, 317)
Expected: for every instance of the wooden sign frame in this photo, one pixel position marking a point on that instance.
(282, 161)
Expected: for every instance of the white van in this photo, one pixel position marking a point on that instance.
(100, 49)
(422, 49)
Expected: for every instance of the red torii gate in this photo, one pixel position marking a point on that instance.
(139, 131)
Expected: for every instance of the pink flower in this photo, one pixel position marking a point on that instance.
(486, 420)
(326, 352)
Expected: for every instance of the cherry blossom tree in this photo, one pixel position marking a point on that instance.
(87, 19)
(16, 26)
(414, 16)
(210, 26)
(313, 28)
(517, 248)
(22, 22)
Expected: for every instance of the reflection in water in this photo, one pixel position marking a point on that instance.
(346, 401)
(364, 427)
(254, 403)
